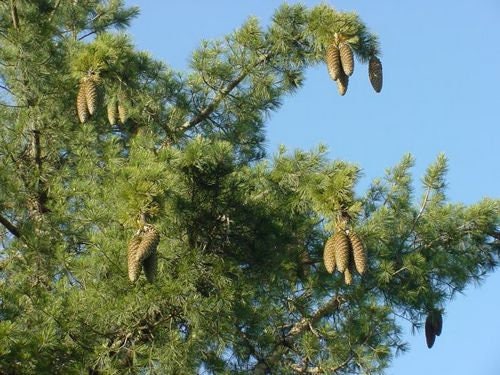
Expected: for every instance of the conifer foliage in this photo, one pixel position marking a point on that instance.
(234, 242)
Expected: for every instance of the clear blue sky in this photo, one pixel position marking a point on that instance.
(441, 94)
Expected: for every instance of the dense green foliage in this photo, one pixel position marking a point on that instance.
(241, 284)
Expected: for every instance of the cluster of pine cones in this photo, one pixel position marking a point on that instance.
(340, 63)
(433, 327)
(142, 253)
(86, 101)
(346, 252)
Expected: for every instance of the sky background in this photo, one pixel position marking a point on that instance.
(441, 64)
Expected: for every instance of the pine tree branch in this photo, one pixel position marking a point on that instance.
(10, 227)
(305, 323)
(13, 13)
(210, 108)
(56, 6)
(297, 329)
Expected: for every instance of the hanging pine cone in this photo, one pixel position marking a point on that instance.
(437, 322)
(81, 102)
(112, 112)
(348, 276)
(375, 73)
(122, 112)
(332, 59)
(342, 83)
(346, 58)
(329, 255)
(430, 335)
(142, 253)
(150, 265)
(342, 250)
(358, 252)
(91, 94)
(134, 266)
(149, 242)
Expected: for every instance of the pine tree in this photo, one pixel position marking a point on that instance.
(238, 267)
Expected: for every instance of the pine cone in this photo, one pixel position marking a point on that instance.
(134, 266)
(332, 59)
(342, 250)
(346, 58)
(91, 95)
(348, 276)
(329, 255)
(437, 322)
(149, 243)
(81, 102)
(375, 73)
(342, 83)
(122, 112)
(112, 112)
(150, 265)
(430, 335)
(358, 252)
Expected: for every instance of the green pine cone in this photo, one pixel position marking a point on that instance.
(346, 58)
(329, 255)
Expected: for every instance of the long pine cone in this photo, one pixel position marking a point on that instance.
(91, 95)
(150, 266)
(81, 102)
(342, 83)
(375, 73)
(149, 243)
(329, 255)
(358, 252)
(134, 266)
(332, 59)
(430, 335)
(342, 250)
(112, 112)
(346, 58)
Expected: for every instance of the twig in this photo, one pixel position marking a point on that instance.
(10, 227)
(304, 323)
(13, 13)
(210, 108)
